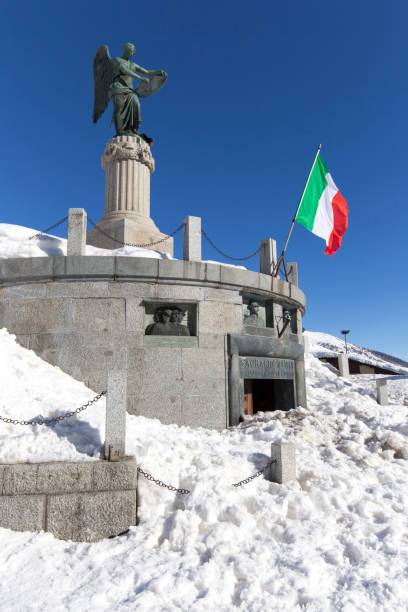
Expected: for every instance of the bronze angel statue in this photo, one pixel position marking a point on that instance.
(113, 80)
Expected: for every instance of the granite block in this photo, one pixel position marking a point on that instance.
(22, 512)
(112, 476)
(170, 269)
(170, 341)
(343, 365)
(212, 341)
(267, 256)
(134, 315)
(91, 265)
(92, 361)
(26, 268)
(135, 369)
(228, 296)
(382, 392)
(205, 409)
(154, 405)
(212, 272)
(192, 239)
(216, 317)
(163, 369)
(137, 266)
(264, 282)
(178, 292)
(98, 314)
(77, 289)
(236, 276)
(298, 295)
(2, 470)
(88, 517)
(131, 288)
(44, 478)
(77, 219)
(292, 269)
(116, 403)
(283, 468)
(27, 290)
(37, 315)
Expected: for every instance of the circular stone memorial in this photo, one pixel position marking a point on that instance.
(196, 349)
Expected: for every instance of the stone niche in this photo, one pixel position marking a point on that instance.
(257, 312)
(293, 327)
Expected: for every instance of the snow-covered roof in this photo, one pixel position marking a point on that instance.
(326, 345)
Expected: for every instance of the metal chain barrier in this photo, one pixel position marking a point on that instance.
(224, 254)
(54, 420)
(246, 480)
(45, 231)
(160, 483)
(132, 244)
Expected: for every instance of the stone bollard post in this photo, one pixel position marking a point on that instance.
(192, 239)
(343, 365)
(76, 231)
(267, 256)
(382, 392)
(115, 424)
(306, 344)
(292, 269)
(283, 468)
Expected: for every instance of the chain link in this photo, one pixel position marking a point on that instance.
(160, 483)
(224, 254)
(259, 473)
(132, 244)
(45, 231)
(53, 420)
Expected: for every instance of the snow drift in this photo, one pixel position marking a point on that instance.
(336, 539)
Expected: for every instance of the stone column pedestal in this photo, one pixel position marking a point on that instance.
(128, 163)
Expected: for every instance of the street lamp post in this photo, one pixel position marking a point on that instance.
(345, 332)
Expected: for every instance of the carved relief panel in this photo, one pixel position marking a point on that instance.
(170, 319)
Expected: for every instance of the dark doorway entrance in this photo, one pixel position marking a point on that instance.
(265, 395)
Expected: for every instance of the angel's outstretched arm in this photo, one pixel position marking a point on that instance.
(133, 74)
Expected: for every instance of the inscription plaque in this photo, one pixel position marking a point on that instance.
(266, 367)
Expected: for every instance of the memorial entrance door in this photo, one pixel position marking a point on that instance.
(265, 395)
(248, 397)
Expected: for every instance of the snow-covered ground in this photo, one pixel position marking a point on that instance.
(336, 539)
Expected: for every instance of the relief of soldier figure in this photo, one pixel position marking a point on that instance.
(252, 317)
(168, 322)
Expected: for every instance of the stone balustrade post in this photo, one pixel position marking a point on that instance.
(283, 466)
(115, 424)
(343, 365)
(267, 256)
(192, 239)
(382, 392)
(292, 269)
(306, 344)
(77, 219)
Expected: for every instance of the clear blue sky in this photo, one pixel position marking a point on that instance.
(253, 88)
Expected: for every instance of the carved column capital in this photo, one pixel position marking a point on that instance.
(128, 147)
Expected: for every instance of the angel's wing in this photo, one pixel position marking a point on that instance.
(157, 79)
(103, 72)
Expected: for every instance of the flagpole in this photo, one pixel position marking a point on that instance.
(279, 262)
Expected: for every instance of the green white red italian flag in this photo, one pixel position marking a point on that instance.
(322, 209)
